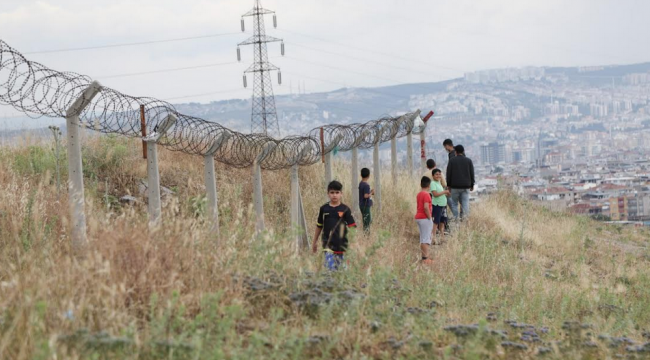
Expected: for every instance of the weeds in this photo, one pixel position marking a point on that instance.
(180, 292)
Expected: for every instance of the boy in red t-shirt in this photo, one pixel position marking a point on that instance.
(423, 218)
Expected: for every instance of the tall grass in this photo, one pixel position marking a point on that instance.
(181, 292)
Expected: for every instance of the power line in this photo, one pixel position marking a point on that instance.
(203, 94)
(356, 72)
(361, 59)
(129, 44)
(166, 70)
(374, 51)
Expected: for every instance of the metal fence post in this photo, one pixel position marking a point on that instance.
(153, 174)
(75, 171)
(328, 168)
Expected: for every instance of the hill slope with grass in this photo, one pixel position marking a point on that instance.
(517, 281)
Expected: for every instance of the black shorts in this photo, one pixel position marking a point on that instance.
(437, 214)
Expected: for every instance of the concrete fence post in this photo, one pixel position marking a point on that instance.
(377, 185)
(212, 211)
(75, 171)
(409, 153)
(258, 196)
(423, 149)
(298, 222)
(393, 160)
(153, 174)
(354, 176)
(423, 144)
(211, 184)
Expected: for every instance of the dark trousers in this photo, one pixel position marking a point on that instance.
(367, 217)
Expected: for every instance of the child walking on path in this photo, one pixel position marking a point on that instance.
(333, 220)
(423, 218)
(439, 195)
(365, 199)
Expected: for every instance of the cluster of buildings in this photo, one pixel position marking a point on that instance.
(503, 75)
(555, 138)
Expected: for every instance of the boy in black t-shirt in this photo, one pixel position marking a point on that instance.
(365, 199)
(333, 220)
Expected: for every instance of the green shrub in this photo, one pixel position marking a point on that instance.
(35, 160)
(105, 158)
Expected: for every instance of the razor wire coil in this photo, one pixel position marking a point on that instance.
(37, 90)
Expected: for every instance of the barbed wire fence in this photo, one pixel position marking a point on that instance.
(37, 91)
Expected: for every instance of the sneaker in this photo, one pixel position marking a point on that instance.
(427, 261)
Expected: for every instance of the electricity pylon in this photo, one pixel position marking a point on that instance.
(264, 118)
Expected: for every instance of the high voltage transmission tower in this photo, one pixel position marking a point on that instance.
(264, 118)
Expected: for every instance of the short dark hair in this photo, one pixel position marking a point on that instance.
(431, 163)
(447, 142)
(425, 182)
(365, 172)
(334, 185)
(460, 149)
(435, 171)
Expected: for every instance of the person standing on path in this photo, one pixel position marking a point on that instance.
(439, 197)
(449, 147)
(460, 180)
(451, 152)
(334, 219)
(423, 218)
(431, 165)
(365, 199)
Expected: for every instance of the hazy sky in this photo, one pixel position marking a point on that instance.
(330, 43)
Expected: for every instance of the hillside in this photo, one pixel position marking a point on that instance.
(516, 282)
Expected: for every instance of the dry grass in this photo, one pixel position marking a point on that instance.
(181, 292)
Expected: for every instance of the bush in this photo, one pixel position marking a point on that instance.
(35, 160)
(104, 158)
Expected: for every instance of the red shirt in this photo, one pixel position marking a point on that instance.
(423, 197)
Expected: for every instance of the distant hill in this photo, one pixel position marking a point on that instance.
(300, 113)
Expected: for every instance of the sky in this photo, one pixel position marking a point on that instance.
(329, 44)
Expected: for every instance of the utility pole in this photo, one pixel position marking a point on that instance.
(264, 118)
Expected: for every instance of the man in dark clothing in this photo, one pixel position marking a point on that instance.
(451, 152)
(460, 180)
(449, 146)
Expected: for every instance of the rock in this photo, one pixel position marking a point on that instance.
(462, 330)
(144, 185)
(129, 200)
(589, 344)
(317, 339)
(350, 295)
(374, 326)
(394, 344)
(513, 345)
(415, 310)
